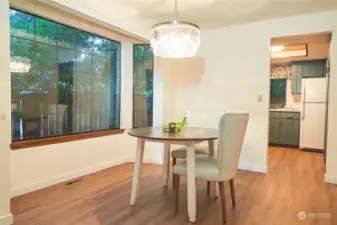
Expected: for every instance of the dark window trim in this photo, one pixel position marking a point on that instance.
(76, 136)
(64, 138)
(133, 78)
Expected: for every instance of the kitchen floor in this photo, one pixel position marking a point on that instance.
(294, 183)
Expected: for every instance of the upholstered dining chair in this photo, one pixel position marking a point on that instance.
(223, 167)
(197, 118)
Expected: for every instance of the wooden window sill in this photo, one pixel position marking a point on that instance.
(61, 139)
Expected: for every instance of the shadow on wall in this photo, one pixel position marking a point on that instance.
(184, 72)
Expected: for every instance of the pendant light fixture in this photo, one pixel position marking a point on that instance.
(175, 39)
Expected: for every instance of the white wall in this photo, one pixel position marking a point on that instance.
(5, 115)
(331, 166)
(237, 66)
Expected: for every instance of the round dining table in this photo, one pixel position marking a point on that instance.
(189, 136)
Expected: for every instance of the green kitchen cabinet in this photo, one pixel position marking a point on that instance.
(289, 130)
(284, 128)
(274, 130)
(306, 69)
(296, 78)
(317, 68)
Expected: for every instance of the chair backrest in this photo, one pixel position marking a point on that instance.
(232, 129)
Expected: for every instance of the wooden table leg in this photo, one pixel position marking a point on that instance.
(191, 195)
(137, 171)
(211, 152)
(166, 173)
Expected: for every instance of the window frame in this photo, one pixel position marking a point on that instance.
(19, 144)
(133, 85)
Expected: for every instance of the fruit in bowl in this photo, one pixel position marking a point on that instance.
(174, 127)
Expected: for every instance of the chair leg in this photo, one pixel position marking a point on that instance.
(177, 181)
(208, 187)
(174, 161)
(231, 184)
(221, 186)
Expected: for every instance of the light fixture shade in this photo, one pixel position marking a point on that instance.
(291, 51)
(19, 65)
(175, 39)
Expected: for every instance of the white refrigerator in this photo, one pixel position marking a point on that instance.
(313, 113)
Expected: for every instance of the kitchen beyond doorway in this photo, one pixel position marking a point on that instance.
(299, 86)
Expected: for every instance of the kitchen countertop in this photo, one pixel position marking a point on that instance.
(285, 110)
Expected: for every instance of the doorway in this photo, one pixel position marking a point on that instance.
(299, 86)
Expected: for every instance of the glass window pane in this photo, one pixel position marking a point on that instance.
(100, 84)
(113, 49)
(46, 55)
(148, 55)
(116, 121)
(99, 46)
(21, 24)
(83, 105)
(139, 79)
(23, 48)
(67, 36)
(99, 65)
(66, 58)
(83, 62)
(73, 85)
(23, 81)
(65, 83)
(83, 82)
(138, 54)
(45, 31)
(100, 115)
(46, 80)
(142, 86)
(84, 41)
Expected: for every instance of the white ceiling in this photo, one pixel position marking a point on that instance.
(217, 13)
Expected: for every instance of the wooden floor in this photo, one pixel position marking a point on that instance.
(294, 183)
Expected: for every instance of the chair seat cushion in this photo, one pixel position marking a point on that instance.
(205, 168)
(180, 153)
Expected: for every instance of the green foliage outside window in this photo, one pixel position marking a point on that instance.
(142, 86)
(73, 84)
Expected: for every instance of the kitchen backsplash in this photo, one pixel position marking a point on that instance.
(292, 100)
(280, 71)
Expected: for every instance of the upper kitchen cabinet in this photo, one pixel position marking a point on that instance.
(314, 68)
(296, 78)
(306, 69)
